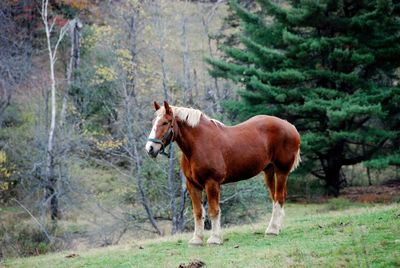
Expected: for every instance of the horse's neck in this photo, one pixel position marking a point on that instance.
(187, 137)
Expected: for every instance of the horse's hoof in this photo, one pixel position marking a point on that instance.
(196, 241)
(214, 240)
(272, 231)
(271, 234)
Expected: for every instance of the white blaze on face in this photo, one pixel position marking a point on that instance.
(156, 146)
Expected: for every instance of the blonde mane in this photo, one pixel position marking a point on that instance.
(189, 115)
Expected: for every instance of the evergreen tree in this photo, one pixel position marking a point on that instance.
(328, 67)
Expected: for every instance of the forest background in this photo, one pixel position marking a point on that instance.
(78, 78)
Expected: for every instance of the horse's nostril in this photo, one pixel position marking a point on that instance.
(151, 149)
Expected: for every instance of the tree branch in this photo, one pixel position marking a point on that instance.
(34, 218)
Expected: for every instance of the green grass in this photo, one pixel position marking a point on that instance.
(314, 236)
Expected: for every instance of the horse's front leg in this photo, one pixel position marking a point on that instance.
(198, 214)
(214, 212)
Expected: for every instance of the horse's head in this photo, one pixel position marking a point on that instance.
(162, 132)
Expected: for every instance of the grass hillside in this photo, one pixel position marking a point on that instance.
(335, 234)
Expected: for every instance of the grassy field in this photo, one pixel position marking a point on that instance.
(334, 234)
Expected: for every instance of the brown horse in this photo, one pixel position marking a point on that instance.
(214, 154)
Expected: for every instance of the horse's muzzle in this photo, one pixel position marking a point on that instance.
(153, 155)
(152, 152)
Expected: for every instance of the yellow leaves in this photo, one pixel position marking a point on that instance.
(124, 55)
(5, 173)
(124, 58)
(88, 41)
(104, 32)
(108, 145)
(99, 35)
(77, 4)
(122, 191)
(4, 186)
(3, 157)
(104, 74)
(7, 169)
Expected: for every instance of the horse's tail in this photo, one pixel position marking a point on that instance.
(297, 161)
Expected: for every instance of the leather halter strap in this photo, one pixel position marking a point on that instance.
(164, 139)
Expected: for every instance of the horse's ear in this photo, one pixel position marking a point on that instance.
(168, 109)
(156, 106)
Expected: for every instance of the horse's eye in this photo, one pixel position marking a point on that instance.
(164, 123)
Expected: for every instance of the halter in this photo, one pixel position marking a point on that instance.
(164, 139)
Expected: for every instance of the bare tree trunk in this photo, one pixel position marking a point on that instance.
(160, 30)
(206, 21)
(5, 98)
(130, 109)
(171, 162)
(171, 189)
(368, 169)
(181, 211)
(74, 28)
(188, 94)
(136, 159)
(369, 176)
(50, 176)
(164, 74)
(50, 157)
(195, 83)
(144, 200)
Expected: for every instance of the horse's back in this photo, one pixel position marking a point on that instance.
(269, 125)
(266, 121)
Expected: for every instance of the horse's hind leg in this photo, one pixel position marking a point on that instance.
(270, 181)
(275, 223)
(269, 178)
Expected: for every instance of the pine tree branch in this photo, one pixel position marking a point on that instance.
(365, 156)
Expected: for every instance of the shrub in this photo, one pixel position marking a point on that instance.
(20, 238)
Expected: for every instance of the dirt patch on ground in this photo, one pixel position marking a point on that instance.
(192, 264)
(385, 193)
